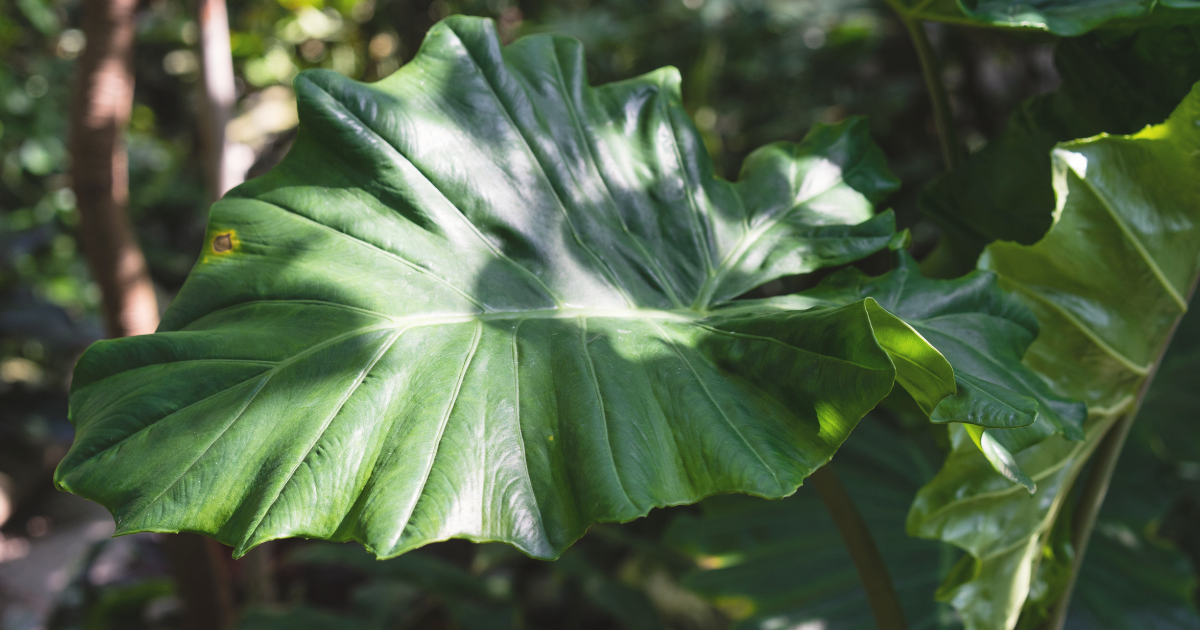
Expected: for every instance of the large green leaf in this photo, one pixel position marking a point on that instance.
(481, 299)
(1107, 284)
(1004, 192)
(984, 332)
(782, 564)
(1062, 17)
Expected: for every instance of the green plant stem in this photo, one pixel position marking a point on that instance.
(1092, 495)
(942, 263)
(931, 69)
(876, 581)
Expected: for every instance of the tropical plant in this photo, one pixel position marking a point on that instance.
(481, 299)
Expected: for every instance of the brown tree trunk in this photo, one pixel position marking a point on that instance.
(99, 168)
(217, 98)
(103, 101)
(202, 579)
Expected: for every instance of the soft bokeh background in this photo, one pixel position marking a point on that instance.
(754, 71)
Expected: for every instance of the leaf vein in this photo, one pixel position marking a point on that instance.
(358, 381)
(603, 414)
(402, 260)
(458, 211)
(721, 411)
(453, 400)
(609, 275)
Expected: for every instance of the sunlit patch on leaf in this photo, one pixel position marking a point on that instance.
(482, 299)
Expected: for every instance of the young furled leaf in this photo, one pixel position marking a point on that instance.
(481, 299)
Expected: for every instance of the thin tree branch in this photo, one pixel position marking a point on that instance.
(208, 590)
(103, 101)
(872, 572)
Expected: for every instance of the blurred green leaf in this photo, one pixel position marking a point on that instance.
(121, 606)
(627, 605)
(782, 564)
(1066, 18)
(42, 17)
(1003, 192)
(420, 570)
(299, 618)
(1134, 575)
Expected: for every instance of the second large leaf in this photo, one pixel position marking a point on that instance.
(482, 299)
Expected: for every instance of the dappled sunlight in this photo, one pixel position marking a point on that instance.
(475, 346)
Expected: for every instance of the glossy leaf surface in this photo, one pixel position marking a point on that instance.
(981, 329)
(1065, 18)
(481, 299)
(1107, 284)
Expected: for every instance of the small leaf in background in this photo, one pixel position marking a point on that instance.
(983, 331)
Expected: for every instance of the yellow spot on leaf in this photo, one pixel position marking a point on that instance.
(222, 244)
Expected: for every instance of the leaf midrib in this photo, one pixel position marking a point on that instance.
(680, 315)
(404, 324)
(683, 316)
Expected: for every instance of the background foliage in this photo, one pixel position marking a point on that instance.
(755, 71)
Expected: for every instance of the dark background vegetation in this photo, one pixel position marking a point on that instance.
(754, 71)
